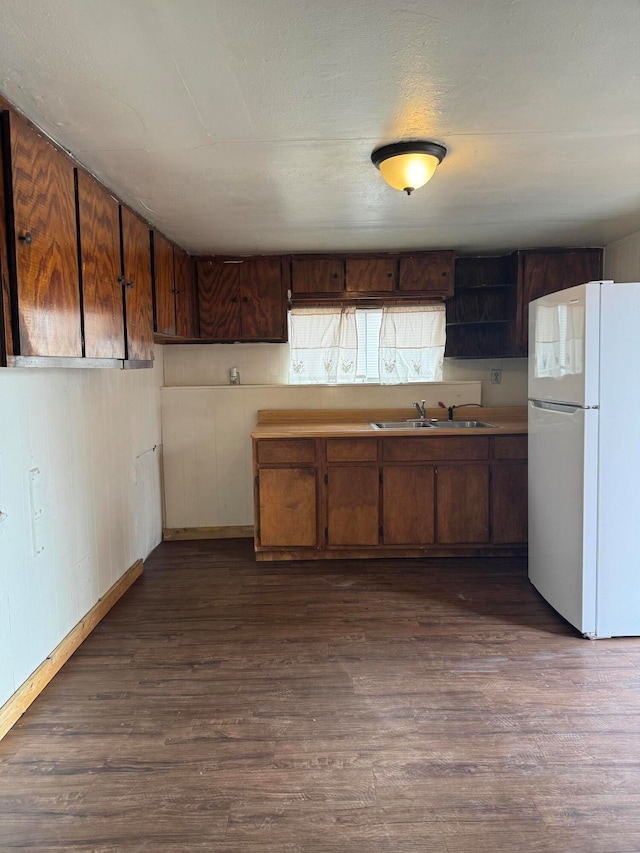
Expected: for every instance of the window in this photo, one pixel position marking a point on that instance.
(390, 345)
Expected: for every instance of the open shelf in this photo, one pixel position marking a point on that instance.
(481, 314)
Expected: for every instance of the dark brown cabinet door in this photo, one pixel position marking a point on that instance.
(99, 224)
(509, 503)
(164, 286)
(186, 303)
(136, 259)
(46, 249)
(547, 272)
(287, 507)
(219, 300)
(353, 505)
(242, 300)
(262, 300)
(427, 273)
(368, 275)
(462, 494)
(408, 503)
(317, 275)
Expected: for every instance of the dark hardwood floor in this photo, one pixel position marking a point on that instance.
(348, 707)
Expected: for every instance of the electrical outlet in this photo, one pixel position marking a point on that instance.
(496, 376)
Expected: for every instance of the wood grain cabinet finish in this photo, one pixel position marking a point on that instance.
(353, 505)
(509, 490)
(482, 313)
(100, 267)
(186, 295)
(427, 273)
(242, 300)
(317, 275)
(41, 216)
(371, 275)
(408, 503)
(421, 496)
(350, 277)
(543, 272)
(164, 290)
(136, 264)
(462, 494)
(287, 507)
(509, 503)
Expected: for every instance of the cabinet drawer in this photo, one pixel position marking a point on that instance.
(286, 450)
(426, 449)
(510, 447)
(352, 450)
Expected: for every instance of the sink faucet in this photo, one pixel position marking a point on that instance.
(458, 406)
(420, 409)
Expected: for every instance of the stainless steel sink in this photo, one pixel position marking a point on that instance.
(460, 424)
(431, 425)
(401, 425)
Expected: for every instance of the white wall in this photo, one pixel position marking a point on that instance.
(70, 531)
(206, 423)
(268, 364)
(622, 259)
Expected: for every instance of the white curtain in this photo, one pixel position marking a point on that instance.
(412, 344)
(323, 345)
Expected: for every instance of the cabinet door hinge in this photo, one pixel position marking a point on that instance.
(326, 479)
(257, 480)
(381, 533)
(258, 534)
(380, 476)
(326, 533)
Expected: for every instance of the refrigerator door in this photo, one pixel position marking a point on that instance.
(564, 346)
(563, 480)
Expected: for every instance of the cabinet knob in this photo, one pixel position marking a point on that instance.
(129, 283)
(234, 299)
(122, 280)
(335, 275)
(245, 298)
(25, 238)
(389, 275)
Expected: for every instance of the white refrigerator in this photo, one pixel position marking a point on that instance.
(584, 455)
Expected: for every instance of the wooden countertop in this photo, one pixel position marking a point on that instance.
(336, 423)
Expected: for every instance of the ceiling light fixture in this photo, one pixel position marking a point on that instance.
(407, 166)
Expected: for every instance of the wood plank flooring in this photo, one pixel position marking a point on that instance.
(337, 707)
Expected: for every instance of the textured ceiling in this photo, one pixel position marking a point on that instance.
(247, 125)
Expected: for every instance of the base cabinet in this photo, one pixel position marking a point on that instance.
(390, 496)
(287, 507)
(408, 502)
(353, 505)
(463, 504)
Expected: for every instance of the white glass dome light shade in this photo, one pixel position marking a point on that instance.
(406, 166)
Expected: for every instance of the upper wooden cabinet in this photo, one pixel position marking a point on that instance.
(481, 315)
(186, 297)
(242, 300)
(488, 315)
(136, 269)
(42, 243)
(174, 290)
(427, 273)
(371, 275)
(543, 272)
(417, 275)
(317, 275)
(100, 269)
(164, 284)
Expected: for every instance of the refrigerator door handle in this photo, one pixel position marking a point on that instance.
(567, 408)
